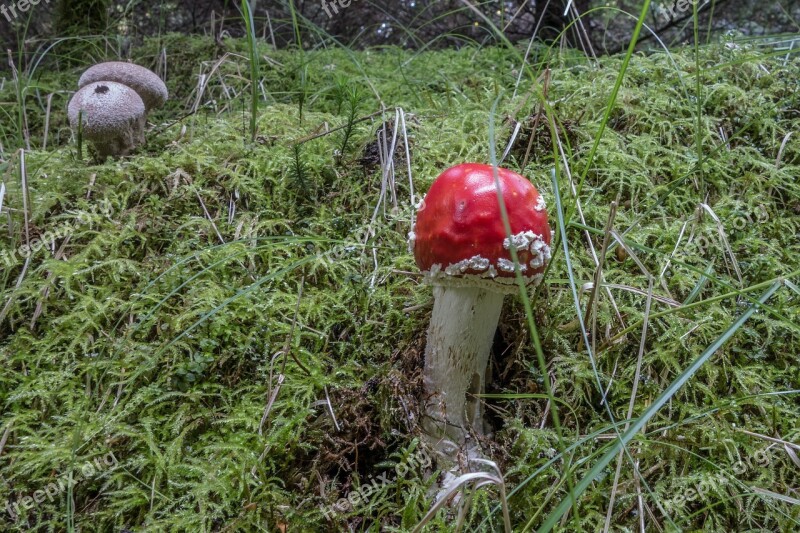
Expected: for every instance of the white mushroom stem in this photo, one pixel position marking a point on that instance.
(456, 355)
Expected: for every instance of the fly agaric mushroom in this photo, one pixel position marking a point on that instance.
(113, 117)
(461, 245)
(145, 82)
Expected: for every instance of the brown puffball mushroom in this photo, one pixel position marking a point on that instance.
(113, 117)
(145, 82)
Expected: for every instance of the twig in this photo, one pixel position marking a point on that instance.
(545, 87)
(304, 140)
(13, 296)
(6, 434)
(271, 401)
(780, 151)
(330, 408)
(771, 439)
(672, 23)
(168, 126)
(208, 215)
(23, 176)
(290, 337)
(591, 305)
(286, 349)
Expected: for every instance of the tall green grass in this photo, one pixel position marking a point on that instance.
(255, 76)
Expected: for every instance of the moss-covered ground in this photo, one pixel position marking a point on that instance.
(241, 323)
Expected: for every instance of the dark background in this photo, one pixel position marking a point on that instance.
(408, 23)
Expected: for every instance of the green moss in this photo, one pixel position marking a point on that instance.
(150, 338)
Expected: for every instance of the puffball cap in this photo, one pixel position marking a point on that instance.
(108, 108)
(145, 82)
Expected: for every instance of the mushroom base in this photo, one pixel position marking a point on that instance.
(459, 341)
(121, 143)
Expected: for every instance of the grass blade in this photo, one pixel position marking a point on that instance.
(651, 411)
(252, 48)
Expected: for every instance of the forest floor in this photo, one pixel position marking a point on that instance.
(226, 335)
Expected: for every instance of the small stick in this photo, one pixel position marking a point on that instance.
(23, 177)
(10, 301)
(546, 85)
(591, 304)
(304, 140)
(330, 409)
(287, 345)
(282, 374)
(180, 119)
(6, 433)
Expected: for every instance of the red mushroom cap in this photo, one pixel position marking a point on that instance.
(459, 237)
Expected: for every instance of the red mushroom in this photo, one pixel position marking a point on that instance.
(461, 245)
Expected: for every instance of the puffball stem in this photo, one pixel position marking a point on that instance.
(459, 341)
